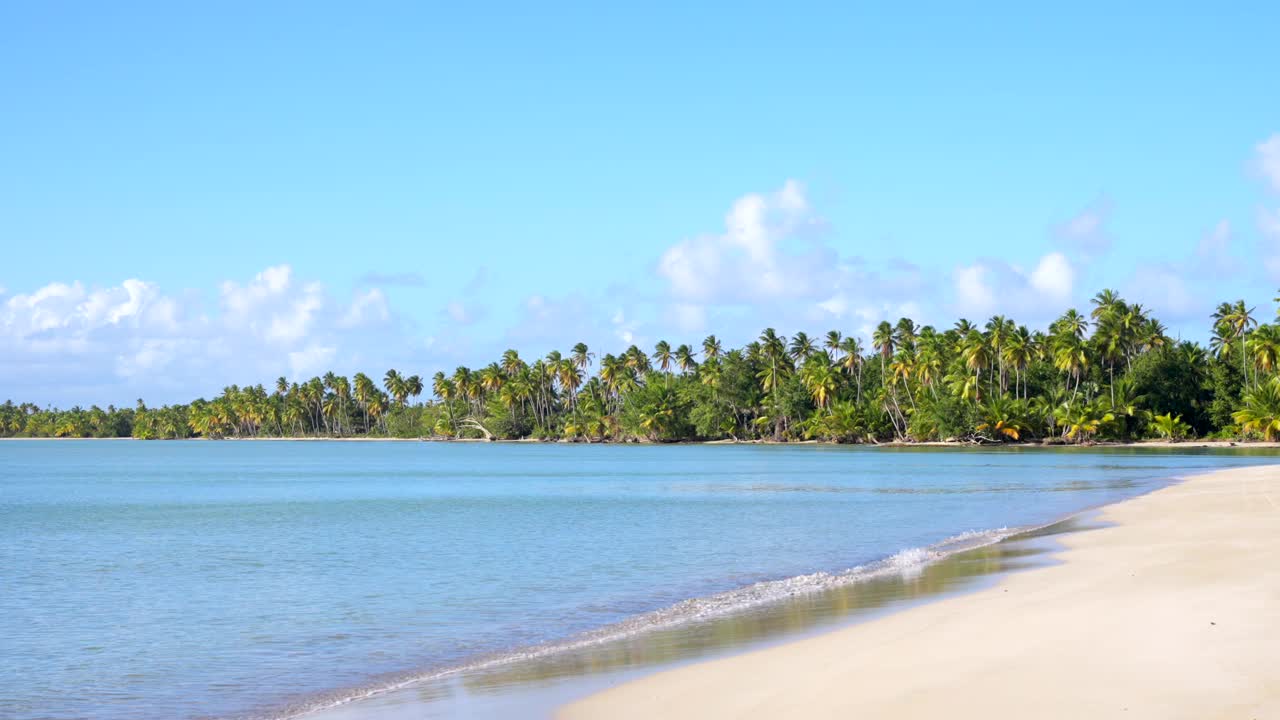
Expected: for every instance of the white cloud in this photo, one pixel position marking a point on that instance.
(1267, 162)
(1213, 253)
(773, 266)
(68, 343)
(688, 317)
(1053, 277)
(457, 312)
(463, 312)
(974, 294)
(990, 286)
(311, 361)
(1163, 288)
(368, 307)
(272, 306)
(1086, 233)
(1269, 242)
(752, 258)
(1267, 159)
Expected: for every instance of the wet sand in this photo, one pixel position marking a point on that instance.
(1171, 611)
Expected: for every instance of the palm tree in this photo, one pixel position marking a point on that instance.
(635, 359)
(1085, 421)
(1071, 323)
(396, 386)
(851, 360)
(998, 330)
(832, 343)
(1153, 335)
(1019, 351)
(581, 356)
(976, 354)
(902, 368)
(1261, 410)
(1105, 303)
(1170, 427)
(711, 347)
(773, 348)
(1237, 319)
(685, 359)
(904, 333)
(364, 390)
(801, 347)
(932, 360)
(1264, 345)
(662, 355)
(883, 340)
(1109, 339)
(819, 379)
(511, 363)
(1003, 417)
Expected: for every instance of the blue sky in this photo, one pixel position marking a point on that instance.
(191, 197)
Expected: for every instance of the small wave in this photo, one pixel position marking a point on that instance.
(908, 564)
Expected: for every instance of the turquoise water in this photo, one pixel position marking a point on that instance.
(198, 579)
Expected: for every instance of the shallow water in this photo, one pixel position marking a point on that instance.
(195, 579)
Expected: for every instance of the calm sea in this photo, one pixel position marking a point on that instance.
(204, 579)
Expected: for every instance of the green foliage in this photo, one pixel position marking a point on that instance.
(1110, 374)
(1173, 381)
(1260, 412)
(1170, 427)
(1224, 386)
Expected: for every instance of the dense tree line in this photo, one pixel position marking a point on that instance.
(1113, 373)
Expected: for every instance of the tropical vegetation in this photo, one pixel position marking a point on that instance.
(1111, 373)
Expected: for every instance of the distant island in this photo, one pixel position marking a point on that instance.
(1111, 374)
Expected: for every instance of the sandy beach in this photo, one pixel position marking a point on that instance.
(1170, 611)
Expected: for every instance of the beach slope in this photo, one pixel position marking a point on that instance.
(1170, 611)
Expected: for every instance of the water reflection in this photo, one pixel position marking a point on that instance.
(535, 687)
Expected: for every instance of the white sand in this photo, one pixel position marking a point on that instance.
(1174, 612)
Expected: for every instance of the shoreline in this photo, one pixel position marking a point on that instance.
(778, 595)
(1159, 614)
(1101, 445)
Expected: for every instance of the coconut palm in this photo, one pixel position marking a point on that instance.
(1003, 418)
(1264, 345)
(396, 386)
(801, 347)
(1236, 319)
(662, 355)
(976, 354)
(1018, 352)
(711, 347)
(819, 379)
(1261, 410)
(1085, 420)
(904, 333)
(1071, 323)
(581, 356)
(774, 353)
(1105, 303)
(511, 363)
(883, 340)
(1170, 427)
(1071, 356)
(685, 359)
(851, 360)
(832, 343)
